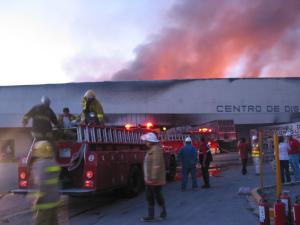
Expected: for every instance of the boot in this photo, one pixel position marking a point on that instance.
(150, 216)
(163, 212)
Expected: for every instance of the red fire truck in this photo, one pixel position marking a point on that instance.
(95, 158)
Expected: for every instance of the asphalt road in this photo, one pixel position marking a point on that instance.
(220, 205)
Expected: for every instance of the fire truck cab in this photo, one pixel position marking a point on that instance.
(95, 159)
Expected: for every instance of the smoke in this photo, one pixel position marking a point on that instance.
(228, 38)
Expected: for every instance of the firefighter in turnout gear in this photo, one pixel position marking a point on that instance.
(42, 119)
(256, 154)
(92, 110)
(45, 173)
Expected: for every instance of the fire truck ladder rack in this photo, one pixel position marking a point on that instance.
(172, 137)
(93, 134)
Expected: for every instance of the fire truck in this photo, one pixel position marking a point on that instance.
(96, 159)
(220, 135)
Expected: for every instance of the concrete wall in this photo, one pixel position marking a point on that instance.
(21, 137)
(245, 101)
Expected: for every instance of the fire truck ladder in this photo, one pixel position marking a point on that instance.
(172, 137)
(108, 135)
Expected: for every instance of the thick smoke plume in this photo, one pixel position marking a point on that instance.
(222, 38)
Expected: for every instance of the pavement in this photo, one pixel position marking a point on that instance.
(220, 205)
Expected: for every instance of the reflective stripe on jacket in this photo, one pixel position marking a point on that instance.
(94, 106)
(46, 181)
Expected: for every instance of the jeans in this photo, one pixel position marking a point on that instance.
(154, 193)
(244, 166)
(284, 171)
(294, 161)
(185, 176)
(205, 173)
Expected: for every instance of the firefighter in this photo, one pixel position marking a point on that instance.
(42, 119)
(188, 158)
(256, 154)
(154, 176)
(92, 110)
(45, 173)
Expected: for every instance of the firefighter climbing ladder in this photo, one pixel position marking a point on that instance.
(108, 135)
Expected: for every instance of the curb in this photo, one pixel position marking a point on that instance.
(257, 198)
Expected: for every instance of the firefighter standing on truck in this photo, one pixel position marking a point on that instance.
(92, 110)
(42, 119)
(256, 154)
(155, 177)
(45, 173)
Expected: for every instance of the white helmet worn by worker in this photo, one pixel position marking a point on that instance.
(150, 137)
(90, 94)
(254, 138)
(288, 134)
(188, 139)
(42, 149)
(45, 100)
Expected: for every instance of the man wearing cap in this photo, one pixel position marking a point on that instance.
(154, 176)
(294, 151)
(188, 158)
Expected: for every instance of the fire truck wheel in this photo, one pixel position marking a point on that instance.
(172, 169)
(135, 181)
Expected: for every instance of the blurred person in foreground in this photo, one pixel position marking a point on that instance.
(45, 180)
(154, 175)
(188, 158)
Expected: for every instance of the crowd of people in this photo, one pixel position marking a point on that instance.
(289, 156)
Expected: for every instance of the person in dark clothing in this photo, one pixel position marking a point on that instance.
(205, 158)
(42, 119)
(244, 151)
(188, 158)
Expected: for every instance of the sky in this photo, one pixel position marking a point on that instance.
(90, 40)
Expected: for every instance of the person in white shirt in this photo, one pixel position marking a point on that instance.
(284, 160)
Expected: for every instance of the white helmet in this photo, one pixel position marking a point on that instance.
(90, 94)
(150, 137)
(288, 134)
(188, 139)
(254, 137)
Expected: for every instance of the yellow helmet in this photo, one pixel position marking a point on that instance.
(42, 149)
(90, 94)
